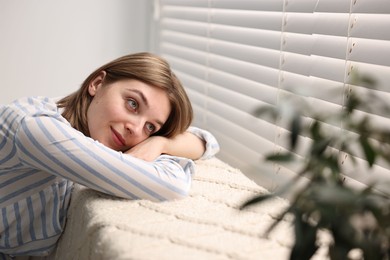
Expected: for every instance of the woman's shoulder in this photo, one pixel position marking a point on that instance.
(34, 100)
(36, 106)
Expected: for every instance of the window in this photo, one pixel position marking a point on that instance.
(235, 56)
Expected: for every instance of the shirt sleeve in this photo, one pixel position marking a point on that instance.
(53, 146)
(212, 146)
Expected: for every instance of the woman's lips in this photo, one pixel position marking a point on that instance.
(117, 137)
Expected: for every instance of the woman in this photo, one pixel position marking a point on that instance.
(125, 132)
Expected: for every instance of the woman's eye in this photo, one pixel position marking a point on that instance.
(132, 103)
(150, 128)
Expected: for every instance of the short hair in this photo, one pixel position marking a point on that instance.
(146, 67)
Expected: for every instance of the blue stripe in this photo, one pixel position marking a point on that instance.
(27, 188)
(37, 250)
(43, 215)
(9, 156)
(20, 106)
(68, 193)
(6, 227)
(7, 109)
(12, 169)
(16, 178)
(31, 217)
(18, 224)
(51, 157)
(62, 184)
(55, 210)
(215, 146)
(4, 141)
(6, 133)
(4, 109)
(30, 100)
(186, 168)
(173, 162)
(150, 175)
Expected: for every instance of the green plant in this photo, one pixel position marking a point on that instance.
(355, 218)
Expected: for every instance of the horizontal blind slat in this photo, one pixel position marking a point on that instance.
(264, 5)
(300, 6)
(260, 38)
(236, 132)
(317, 66)
(371, 26)
(336, 24)
(380, 74)
(262, 74)
(190, 27)
(186, 13)
(266, 93)
(252, 125)
(184, 40)
(327, 90)
(188, 54)
(333, 6)
(192, 68)
(256, 55)
(249, 36)
(190, 3)
(371, 6)
(369, 51)
(247, 19)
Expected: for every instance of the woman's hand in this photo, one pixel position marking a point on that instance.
(149, 149)
(183, 145)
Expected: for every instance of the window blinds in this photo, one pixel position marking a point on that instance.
(235, 56)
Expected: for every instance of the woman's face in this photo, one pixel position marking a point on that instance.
(126, 112)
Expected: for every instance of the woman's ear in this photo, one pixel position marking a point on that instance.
(96, 83)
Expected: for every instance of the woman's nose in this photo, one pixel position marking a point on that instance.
(135, 127)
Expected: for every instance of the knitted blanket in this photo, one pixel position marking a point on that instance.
(206, 225)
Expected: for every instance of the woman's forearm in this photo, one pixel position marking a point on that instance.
(185, 145)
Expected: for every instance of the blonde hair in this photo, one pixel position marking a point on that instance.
(145, 67)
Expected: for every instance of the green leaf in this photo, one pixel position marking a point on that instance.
(270, 110)
(369, 152)
(367, 80)
(295, 131)
(345, 148)
(331, 195)
(352, 103)
(315, 131)
(332, 163)
(320, 146)
(284, 157)
(337, 252)
(372, 249)
(305, 239)
(257, 199)
(290, 209)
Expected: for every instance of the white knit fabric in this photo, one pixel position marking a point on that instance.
(206, 225)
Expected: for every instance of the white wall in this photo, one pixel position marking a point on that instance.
(48, 47)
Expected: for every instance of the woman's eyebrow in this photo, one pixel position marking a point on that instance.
(141, 95)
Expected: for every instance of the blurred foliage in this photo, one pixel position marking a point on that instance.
(356, 219)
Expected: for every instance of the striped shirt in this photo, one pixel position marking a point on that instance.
(42, 156)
